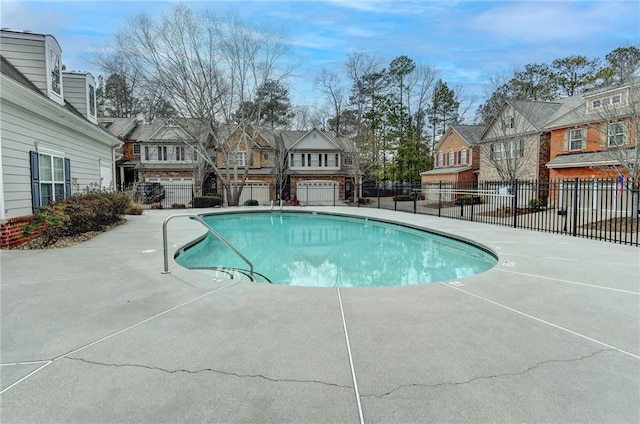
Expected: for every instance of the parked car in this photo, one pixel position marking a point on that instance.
(148, 193)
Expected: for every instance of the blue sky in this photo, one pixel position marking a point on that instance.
(467, 41)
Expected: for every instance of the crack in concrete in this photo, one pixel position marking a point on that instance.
(210, 370)
(488, 377)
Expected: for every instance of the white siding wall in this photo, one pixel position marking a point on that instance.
(75, 91)
(19, 131)
(29, 57)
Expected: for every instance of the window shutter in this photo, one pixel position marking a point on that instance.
(67, 177)
(565, 140)
(585, 134)
(35, 180)
(492, 152)
(604, 131)
(459, 154)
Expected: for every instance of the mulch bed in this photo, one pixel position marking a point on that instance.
(39, 242)
(621, 225)
(507, 212)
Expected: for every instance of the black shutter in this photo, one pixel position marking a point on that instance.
(35, 180)
(67, 178)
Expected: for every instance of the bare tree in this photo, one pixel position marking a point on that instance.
(511, 146)
(207, 67)
(329, 84)
(615, 118)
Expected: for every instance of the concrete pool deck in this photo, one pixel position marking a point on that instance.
(96, 333)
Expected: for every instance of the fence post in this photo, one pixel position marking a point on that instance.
(515, 204)
(395, 197)
(415, 201)
(574, 226)
(440, 198)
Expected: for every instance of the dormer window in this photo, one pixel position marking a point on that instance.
(55, 72)
(92, 100)
(617, 99)
(596, 103)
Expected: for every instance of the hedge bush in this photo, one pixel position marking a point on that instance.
(78, 214)
(468, 200)
(251, 202)
(207, 201)
(404, 197)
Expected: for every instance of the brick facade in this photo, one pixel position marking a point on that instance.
(11, 232)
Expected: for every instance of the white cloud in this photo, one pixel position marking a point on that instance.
(536, 22)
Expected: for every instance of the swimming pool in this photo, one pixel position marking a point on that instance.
(322, 250)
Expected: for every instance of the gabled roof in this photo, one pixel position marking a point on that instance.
(120, 127)
(536, 113)
(470, 133)
(293, 138)
(576, 113)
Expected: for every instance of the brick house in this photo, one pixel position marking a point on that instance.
(457, 156)
(592, 138)
(322, 168)
(52, 146)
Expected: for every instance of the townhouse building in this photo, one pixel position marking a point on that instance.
(51, 144)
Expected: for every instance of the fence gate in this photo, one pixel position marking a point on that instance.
(318, 192)
(253, 190)
(177, 190)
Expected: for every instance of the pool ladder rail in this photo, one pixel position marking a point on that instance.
(198, 218)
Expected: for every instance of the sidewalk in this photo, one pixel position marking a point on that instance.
(96, 333)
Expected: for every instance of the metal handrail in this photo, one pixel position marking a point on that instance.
(208, 227)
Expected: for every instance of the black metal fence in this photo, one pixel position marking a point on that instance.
(597, 209)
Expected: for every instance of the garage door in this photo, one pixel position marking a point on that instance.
(177, 190)
(254, 190)
(325, 193)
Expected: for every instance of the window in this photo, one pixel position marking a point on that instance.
(497, 151)
(237, 158)
(575, 139)
(596, 103)
(55, 72)
(92, 100)
(615, 134)
(463, 156)
(617, 99)
(452, 158)
(136, 148)
(507, 150)
(508, 122)
(348, 160)
(50, 178)
(165, 153)
(440, 159)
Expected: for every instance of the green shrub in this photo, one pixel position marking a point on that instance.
(251, 202)
(134, 208)
(207, 201)
(178, 206)
(535, 204)
(404, 197)
(468, 200)
(77, 214)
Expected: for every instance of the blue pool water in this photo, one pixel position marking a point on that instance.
(305, 249)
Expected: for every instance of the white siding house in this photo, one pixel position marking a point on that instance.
(49, 148)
